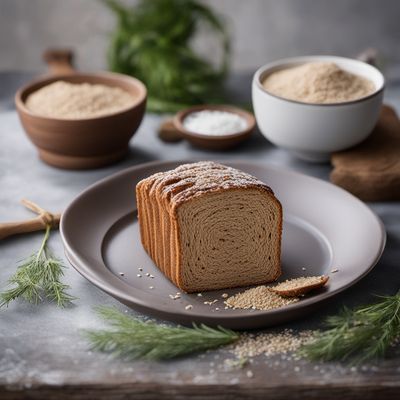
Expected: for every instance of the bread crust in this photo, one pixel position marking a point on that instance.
(163, 193)
(301, 290)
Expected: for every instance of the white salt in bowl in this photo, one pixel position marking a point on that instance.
(314, 131)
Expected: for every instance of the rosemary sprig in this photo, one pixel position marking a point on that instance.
(38, 277)
(362, 334)
(131, 338)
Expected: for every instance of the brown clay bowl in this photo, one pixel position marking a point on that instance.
(89, 142)
(213, 142)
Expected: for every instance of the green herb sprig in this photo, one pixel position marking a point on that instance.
(39, 276)
(358, 335)
(153, 42)
(131, 338)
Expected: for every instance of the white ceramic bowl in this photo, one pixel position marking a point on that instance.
(314, 131)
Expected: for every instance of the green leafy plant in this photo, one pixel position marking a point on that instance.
(153, 42)
(362, 334)
(38, 278)
(131, 338)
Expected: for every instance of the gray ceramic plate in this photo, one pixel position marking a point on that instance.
(324, 228)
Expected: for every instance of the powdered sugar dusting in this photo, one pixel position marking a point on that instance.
(191, 180)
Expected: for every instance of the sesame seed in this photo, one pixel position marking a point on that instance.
(140, 269)
(249, 374)
(303, 268)
(216, 309)
(147, 274)
(152, 276)
(259, 298)
(334, 271)
(188, 307)
(210, 303)
(121, 274)
(139, 276)
(199, 295)
(269, 344)
(151, 287)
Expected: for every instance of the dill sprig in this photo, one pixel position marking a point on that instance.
(362, 334)
(131, 338)
(153, 41)
(37, 278)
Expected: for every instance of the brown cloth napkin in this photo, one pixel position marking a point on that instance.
(371, 170)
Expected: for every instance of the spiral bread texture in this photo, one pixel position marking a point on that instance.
(208, 226)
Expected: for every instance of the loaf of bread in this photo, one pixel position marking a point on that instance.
(207, 226)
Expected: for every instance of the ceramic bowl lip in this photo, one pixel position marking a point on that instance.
(293, 61)
(181, 115)
(47, 79)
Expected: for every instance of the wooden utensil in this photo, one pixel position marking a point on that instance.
(38, 223)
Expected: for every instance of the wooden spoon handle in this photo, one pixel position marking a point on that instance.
(31, 225)
(59, 61)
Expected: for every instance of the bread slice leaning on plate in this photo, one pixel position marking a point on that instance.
(208, 226)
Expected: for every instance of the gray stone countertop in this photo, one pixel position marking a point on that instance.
(43, 355)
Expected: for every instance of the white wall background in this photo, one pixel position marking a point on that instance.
(262, 30)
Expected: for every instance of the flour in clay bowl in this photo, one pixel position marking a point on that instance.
(66, 100)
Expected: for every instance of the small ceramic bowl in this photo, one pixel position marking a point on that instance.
(214, 142)
(314, 131)
(87, 142)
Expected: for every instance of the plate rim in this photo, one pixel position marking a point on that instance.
(81, 267)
